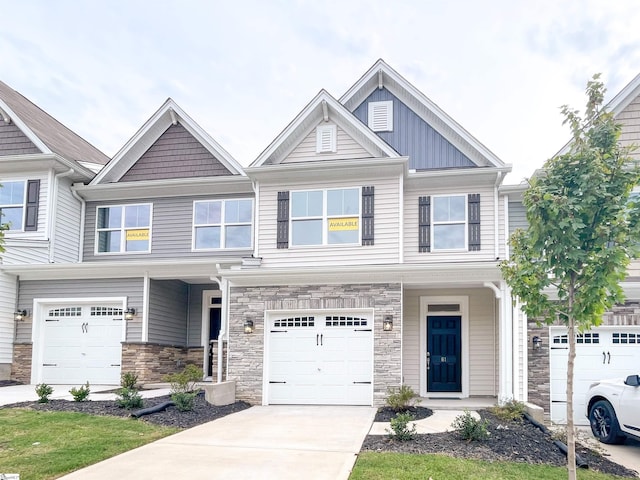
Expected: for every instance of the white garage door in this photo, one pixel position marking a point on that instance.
(601, 353)
(320, 359)
(82, 343)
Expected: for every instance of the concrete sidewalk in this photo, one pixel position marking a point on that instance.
(260, 443)
(27, 393)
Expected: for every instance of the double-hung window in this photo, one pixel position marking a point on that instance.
(222, 224)
(325, 217)
(12, 200)
(124, 228)
(449, 222)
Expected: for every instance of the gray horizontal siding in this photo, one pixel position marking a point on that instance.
(517, 217)
(413, 137)
(171, 231)
(132, 288)
(168, 302)
(176, 154)
(14, 142)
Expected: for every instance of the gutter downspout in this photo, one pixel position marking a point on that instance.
(54, 208)
(83, 211)
(496, 214)
(224, 324)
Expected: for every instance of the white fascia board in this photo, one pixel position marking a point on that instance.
(39, 162)
(456, 177)
(331, 169)
(169, 269)
(179, 187)
(295, 131)
(624, 97)
(25, 129)
(414, 98)
(416, 275)
(152, 129)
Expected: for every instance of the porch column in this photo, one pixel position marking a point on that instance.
(505, 336)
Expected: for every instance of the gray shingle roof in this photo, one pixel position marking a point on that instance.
(50, 131)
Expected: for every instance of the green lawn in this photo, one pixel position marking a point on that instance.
(43, 445)
(400, 466)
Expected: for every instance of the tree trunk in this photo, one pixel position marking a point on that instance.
(571, 440)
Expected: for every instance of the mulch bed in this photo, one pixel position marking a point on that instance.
(513, 441)
(385, 414)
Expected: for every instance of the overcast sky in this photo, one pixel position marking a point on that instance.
(244, 69)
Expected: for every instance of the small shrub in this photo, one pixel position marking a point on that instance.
(80, 394)
(186, 380)
(129, 380)
(128, 398)
(470, 428)
(43, 391)
(511, 410)
(400, 427)
(402, 398)
(184, 400)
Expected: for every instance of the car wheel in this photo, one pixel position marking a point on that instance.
(604, 423)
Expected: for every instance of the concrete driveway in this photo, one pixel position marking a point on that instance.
(274, 442)
(627, 454)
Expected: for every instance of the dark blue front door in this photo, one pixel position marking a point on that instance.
(444, 373)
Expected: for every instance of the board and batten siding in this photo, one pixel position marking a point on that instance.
(630, 120)
(412, 136)
(387, 227)
(171, 230)
(7, 323)
(487, 227)
(346, 148)
(67, 224)
(132, 288)
(168, 305)
(483, 338)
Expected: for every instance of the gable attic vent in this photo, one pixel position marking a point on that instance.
(381, 116)
(326, 138)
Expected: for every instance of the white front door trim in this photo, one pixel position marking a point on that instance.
(463, 313)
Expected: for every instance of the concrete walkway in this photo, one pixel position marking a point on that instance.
(27, 393)
(260, 443)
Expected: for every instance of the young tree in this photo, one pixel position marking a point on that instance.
(583, 230)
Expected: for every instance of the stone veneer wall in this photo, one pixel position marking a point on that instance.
(152, 361)
(246, 352)
(538, 360)
(21, 366)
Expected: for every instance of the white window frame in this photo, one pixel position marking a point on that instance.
(123, 229)
(387, 105)
(322, 146)
(464, 222)
(223, 225)
(22, 205)
(325, 217)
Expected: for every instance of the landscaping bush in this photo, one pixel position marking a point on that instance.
(470, 428)
(80, 394)
(129, 380)
(43, 391)
(400, 429)
(184, 401)
(511, 410)
(184, 386)
(401, 399)
(128, 398)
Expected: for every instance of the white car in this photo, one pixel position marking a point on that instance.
(613, 409)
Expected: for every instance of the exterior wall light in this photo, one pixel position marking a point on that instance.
(129, 313)
(248, 326)
(537, 342)
(20, 315)
(387, 323)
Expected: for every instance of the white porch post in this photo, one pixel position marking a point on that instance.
(505, 390)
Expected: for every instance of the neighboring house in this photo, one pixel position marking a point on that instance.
(375, 210)
(39, 160)
(160, 221)
(609, 351)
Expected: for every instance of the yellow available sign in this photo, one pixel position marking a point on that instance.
(337, 224)
(133, 235)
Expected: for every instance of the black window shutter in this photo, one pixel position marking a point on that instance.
(424, 224)
(33, 195)
(283, 220)
(367, 215)
(474, 221)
